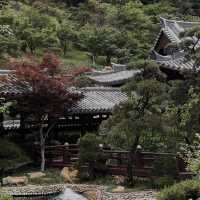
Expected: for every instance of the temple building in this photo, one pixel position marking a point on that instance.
(168, 56)
(96, 105)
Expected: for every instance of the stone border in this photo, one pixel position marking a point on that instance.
(89, 191)
(86, 190)
(35, 190)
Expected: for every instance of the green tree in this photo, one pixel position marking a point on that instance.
(89, 38)
(90, 152)
(33, 30)
(36, 30)
(136, 118)
(190, 44)
(66, 35)
(9, 45)
(183, 115)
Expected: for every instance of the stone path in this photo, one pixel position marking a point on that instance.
(138, 195)
(142, 195)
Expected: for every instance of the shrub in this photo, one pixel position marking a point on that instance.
(10, 154)
(165, 166)
(185, 190)
(163, 182)
(91, 155)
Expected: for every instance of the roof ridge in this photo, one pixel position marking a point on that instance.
(179, 21)
(99, 89)
(111, 72)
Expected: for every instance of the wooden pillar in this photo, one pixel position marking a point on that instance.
(1, 122)
(83, 120)
(22, 121)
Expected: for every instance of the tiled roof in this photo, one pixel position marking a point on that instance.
(99, 100)
(173, 28)
(112, 77)
(95, 99)
(174, 62)
(10, 89)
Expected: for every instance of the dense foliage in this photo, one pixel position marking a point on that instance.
(161, 115)
(87, 31)
(181, 191)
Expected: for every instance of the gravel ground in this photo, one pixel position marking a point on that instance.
(142, 195)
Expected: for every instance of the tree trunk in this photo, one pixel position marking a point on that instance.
(43, 137)
(65, 49)
(93, 59)
(91, 170)
(108, 59)
(131, 161)
(130, 168)
(42, 149)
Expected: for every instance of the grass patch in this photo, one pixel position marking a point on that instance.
(52, 176)
(77, 58)
(11, 155)
(4, 195)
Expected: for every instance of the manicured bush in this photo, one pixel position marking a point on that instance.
(91, 156)
(185, 190)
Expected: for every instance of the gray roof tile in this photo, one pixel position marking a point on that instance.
(99, 99)
(112, 78)
(95, 99)
(173, 28)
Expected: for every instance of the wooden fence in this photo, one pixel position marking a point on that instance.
(116, 161)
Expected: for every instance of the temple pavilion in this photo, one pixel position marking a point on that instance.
(168, 56)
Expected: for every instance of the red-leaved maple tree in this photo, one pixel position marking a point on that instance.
(46, 94)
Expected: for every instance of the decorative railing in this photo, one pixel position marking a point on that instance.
(116, 161)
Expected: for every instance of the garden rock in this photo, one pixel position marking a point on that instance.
(35, 175)
(69, 175)
(119, 189)
(90, 195)
(15, 181)
(119, 180)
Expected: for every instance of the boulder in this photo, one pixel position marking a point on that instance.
(15, 181)
(35, 175)
(118, 189)
(69, 175)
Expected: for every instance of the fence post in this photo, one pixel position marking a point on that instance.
(138, 159)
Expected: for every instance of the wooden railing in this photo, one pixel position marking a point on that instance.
(116, 161)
